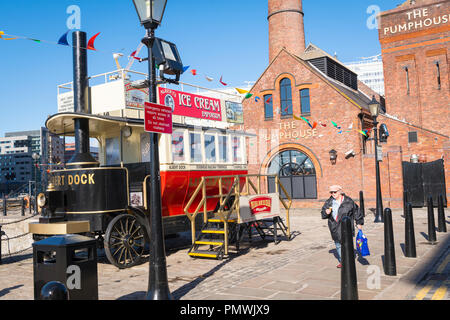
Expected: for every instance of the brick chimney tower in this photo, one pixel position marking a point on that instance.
(286, 27)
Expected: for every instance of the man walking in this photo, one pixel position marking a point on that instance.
(335, 209)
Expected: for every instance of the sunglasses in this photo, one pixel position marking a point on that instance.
(333, 192)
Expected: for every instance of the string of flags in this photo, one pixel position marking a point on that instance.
(63, 41)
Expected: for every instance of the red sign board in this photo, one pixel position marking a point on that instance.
(260, 205)
(191, 105)
(158, 118)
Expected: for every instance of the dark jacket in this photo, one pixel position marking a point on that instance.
(349, 209)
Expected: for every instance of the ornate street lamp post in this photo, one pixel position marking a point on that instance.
(150, 14)
(374, 107)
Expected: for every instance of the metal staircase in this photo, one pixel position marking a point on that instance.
(211, 241)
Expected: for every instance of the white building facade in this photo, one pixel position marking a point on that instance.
(370, 72)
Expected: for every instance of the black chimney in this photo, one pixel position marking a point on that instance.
(82, 157)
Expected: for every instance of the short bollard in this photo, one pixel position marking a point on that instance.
(405, 202)
(23, 208)
(1, 233)
(361, 203)
(390, 268)
(410, 239)
(54, 291)
(4, 205)
(442, 226)
(349, 283)
(431, 224)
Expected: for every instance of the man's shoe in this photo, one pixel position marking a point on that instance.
(339, 266)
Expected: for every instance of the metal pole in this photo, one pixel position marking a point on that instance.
(379, 207)
(431, 224)
(442, 227)
(158, 286)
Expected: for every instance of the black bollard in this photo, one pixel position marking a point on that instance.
(361, 203)
(431, 225)
(23, 207)
(442, 226)
(1, 233)
(54, 290)
(4, 205)
(390, 268)
(405, 202)
(349, 283)
(410, 239)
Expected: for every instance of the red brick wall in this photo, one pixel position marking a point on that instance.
(419, 49)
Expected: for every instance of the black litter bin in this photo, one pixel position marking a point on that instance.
(69, 259)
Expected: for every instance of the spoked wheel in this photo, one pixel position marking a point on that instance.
(125, 241)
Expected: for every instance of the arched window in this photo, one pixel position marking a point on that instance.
(286, 97)
(297, 174)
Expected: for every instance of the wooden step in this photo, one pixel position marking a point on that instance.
(215, 220)
(209, 243)
(213, 231)
(204, 254)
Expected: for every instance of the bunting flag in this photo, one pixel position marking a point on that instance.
(257, 99)
(223, 83)
(194, 72)
(314, 125)
(268, 100)
(363, 133)
(248, 96)
(91, 42)
(63, 40)
(133, 55)
(335, 125)
(323, 124)
(241, 91)
(209, 79)
(2, 33)
(186, 68)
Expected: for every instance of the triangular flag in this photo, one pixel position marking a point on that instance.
(194, 72)
(241, 91)
(314, 125)
(186, 68)
(35, 40)
(362, 132)
(257, 99)
(2, 33)
(248, 96)
(91, 42)
(63, 40)
(223, 83)
(209, 79)
(268, 100)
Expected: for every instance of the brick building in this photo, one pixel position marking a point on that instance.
(307, 105)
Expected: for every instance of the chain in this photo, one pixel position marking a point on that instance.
(8, 223)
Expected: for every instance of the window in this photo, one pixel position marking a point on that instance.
(210, 148)
(145, 147)
(237, 149)
(196, 147)
(112, 151)
(305, 101)
(407, 80)
(412, 137)
(223, 149)
(297, 174)
(286, 97)
(438, 69)
(178, 146)
(268, 106)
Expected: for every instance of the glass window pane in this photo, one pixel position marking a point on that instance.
(268, 106)
(223, 149)
(196, 147)
(112, 151)
(237, 149)
(210, 148)
(178, 146)
(305, 101)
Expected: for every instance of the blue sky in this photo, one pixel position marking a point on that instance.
(218, 38)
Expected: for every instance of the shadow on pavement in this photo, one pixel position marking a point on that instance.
(6, 291)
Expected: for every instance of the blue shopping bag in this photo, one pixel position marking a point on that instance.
(361, 244)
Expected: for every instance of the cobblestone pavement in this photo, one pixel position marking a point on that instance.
(301, 269)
